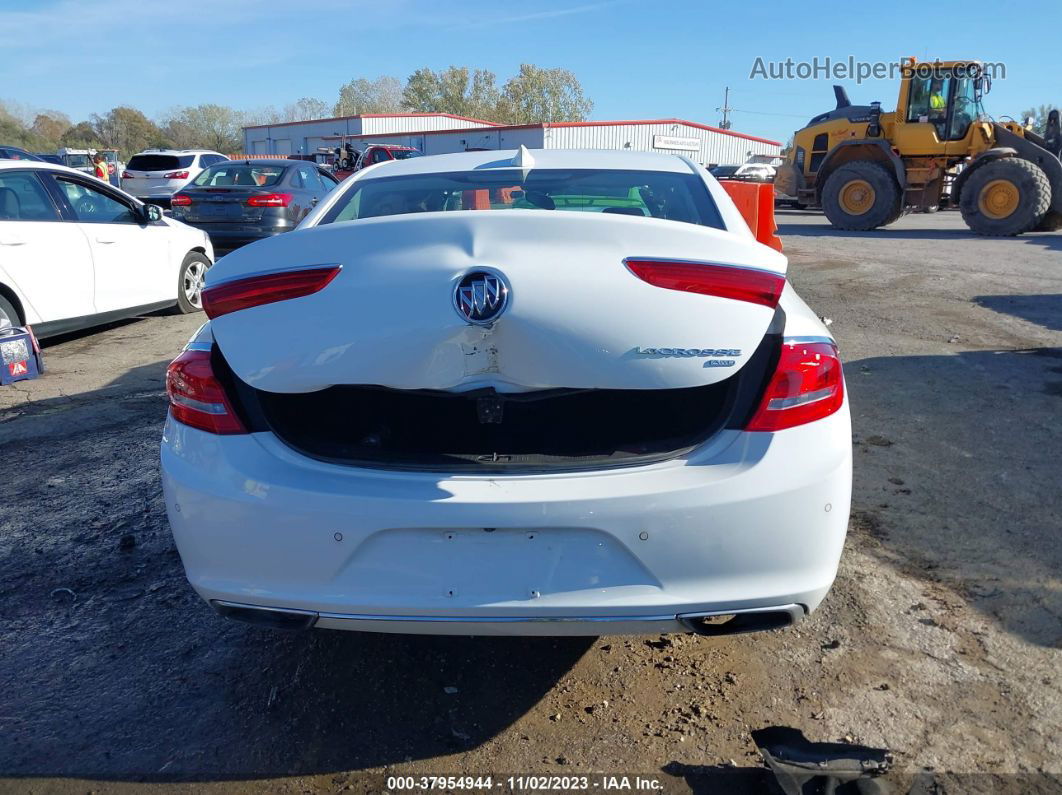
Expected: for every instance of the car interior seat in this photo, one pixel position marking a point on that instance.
(10, 206)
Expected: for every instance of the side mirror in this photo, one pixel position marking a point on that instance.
(152, 213)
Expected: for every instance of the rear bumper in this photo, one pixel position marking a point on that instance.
(750, 522)
(729, 622)
(227, 237)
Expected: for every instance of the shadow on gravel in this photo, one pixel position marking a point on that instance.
(717, 779)
(1048, 240)
(956, 466)
(138, 389)
(88, 333)
(1044, 310)
(114, 669)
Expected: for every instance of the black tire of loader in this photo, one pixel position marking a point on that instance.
(888, 201)
(1034, 197)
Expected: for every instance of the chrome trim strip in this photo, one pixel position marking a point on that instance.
(270, 272)
(796, 340)
(496, 619)
(795, 611)
(285, 610)
(713, 263)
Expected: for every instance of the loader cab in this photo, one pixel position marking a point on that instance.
(937, 106)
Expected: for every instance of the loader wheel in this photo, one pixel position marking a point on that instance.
(861, 195)
(1005, 197)
(1052, 222)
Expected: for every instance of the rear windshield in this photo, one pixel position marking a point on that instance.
(405, 154)
(159, 162)
(240, 174)
(76, 161)
(656, 194)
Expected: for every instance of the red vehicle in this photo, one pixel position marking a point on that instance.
(352, 160)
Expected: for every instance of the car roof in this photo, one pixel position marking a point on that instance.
(263, 161)
(177, 152)
(542, 158)
(43, 165)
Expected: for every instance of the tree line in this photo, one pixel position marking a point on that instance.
(533, 95)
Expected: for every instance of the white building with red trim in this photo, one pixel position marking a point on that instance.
(443, 133)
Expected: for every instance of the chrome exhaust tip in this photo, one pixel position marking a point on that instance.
(269, 617)
(736, 622)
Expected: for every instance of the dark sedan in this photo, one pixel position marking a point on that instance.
(16, 153)
(240, 201)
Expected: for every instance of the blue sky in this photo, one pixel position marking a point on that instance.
(635, 59)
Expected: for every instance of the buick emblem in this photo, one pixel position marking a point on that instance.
(480, 297)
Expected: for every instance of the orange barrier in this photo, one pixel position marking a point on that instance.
(755, 202)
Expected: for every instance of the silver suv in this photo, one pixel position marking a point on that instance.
(154, 175)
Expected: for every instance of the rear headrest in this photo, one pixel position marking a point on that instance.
(10, 206)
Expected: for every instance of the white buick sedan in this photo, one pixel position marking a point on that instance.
(77, 252)
(526, 393)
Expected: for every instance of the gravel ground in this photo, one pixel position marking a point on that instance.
(940, 640)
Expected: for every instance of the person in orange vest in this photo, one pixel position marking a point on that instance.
(101, 167)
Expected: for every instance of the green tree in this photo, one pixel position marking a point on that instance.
(382, 95)
(453, 90)
(15, 131)
(127, 130)
(306, 109)
(50, 126)
(543, 95)
(208, 126)
(267, 114)
(82, 136)
(1039, 117)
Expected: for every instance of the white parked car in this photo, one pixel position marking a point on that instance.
(77, 252)
(559, 392)
(154, 175)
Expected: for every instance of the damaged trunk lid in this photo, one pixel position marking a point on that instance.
(581, 309)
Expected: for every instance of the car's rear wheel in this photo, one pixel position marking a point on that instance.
(190, 282)
(8, 314)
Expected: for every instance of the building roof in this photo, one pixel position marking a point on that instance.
(375, 116)
(546, 125)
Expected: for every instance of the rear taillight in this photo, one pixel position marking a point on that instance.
(197, 398)
(270, 200)
(127, 175)
(266, 289)
(807, 385)
(724, 281)
(180, 200)
(176, 175)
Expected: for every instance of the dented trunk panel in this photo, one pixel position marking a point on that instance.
(576, 317)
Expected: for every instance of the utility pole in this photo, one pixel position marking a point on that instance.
(725, 123)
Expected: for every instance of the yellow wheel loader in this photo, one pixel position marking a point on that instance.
(866, 168)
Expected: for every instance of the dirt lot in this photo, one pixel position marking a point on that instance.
(940, 640)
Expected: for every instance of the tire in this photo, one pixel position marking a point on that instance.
(190, 283)
(8, 314)
(1052, 222)
(861, 195)
(1005, 197)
